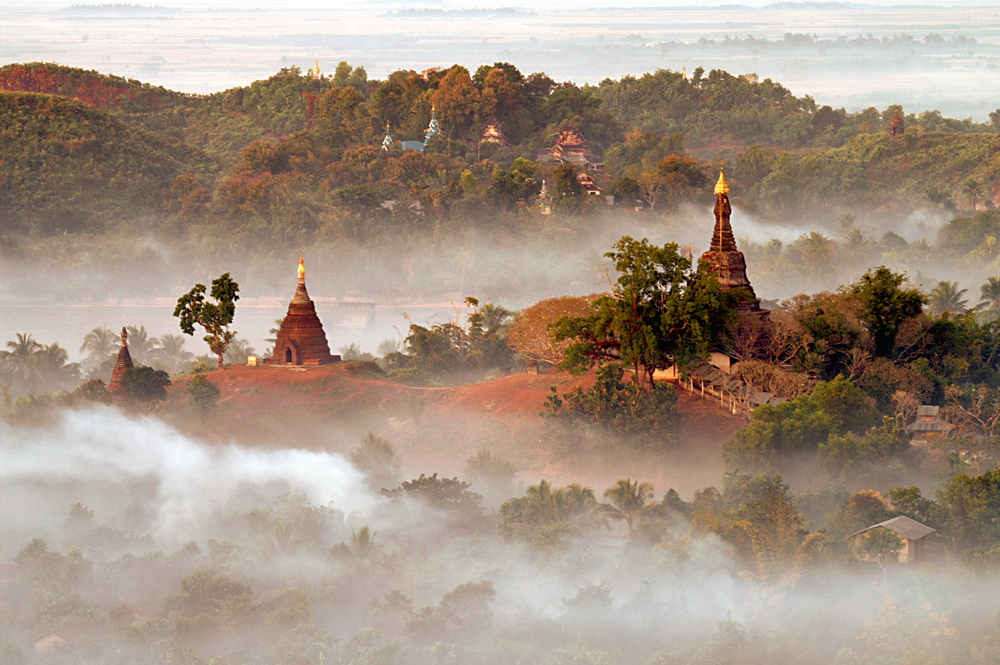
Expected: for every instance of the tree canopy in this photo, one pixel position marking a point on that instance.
(214, 317)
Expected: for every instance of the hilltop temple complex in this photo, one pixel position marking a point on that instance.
(570, 146)
(301, 340)
(123, 363)
(433, 129)
(728, 262)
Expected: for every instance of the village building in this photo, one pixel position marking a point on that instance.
(123, 363)
(928, 425)
(570, 146)
(67, 638)
(896, 126)
(727, 261)
(587, 184)
(301, 340)
(493, 133)
(913, 533)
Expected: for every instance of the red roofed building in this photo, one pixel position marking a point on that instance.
(571, 147)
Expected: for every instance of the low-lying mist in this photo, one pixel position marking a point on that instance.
(137, 509)
(363, 291)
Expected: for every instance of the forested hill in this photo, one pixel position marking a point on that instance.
(66, 166)
(283, 159)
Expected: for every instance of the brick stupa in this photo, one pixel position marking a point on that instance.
(123, 363)
(727, 262)
(301, 340)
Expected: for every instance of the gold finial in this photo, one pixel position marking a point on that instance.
(317, 65)
(721, 187)
(302, 268)
(124, 336)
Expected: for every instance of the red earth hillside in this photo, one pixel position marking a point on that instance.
(434, 429)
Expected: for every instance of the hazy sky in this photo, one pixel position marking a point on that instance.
(190, 47)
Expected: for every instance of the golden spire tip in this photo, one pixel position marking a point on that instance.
(721, 187)
(302, 267)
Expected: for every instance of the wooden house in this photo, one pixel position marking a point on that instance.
(928, 425)
(587, 184)
(913, 533)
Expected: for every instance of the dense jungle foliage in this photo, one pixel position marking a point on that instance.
(293, 158)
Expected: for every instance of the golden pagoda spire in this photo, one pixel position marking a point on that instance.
(721, 187)
(317, 65)
(302, 269)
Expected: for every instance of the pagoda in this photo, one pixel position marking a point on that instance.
(301, 340)
(123, 363)
(432, 129)
(896, 125)
(314, 72)
(726, 261)
(387, 141)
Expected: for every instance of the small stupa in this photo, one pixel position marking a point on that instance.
(896, 125)
(123, 363)
(387, 141)
(301, 340)
(728, 262)
(433, 129)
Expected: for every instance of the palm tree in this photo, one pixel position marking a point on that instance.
(100, 343)
(973, 189)
(627, 499)
(495, 317)
(140, 344)
(19, 368)
(855, 241)
(171, 353)
(549, 505)
(921, 249)
(990, 248)
(847, 220)
(363, 544)
(947, 297)
(990, 294)
(56, 372)
(274, 331)
(273, 339)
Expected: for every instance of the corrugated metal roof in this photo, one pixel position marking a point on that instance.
(902, 525)
(935, 426)
(927, 410)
